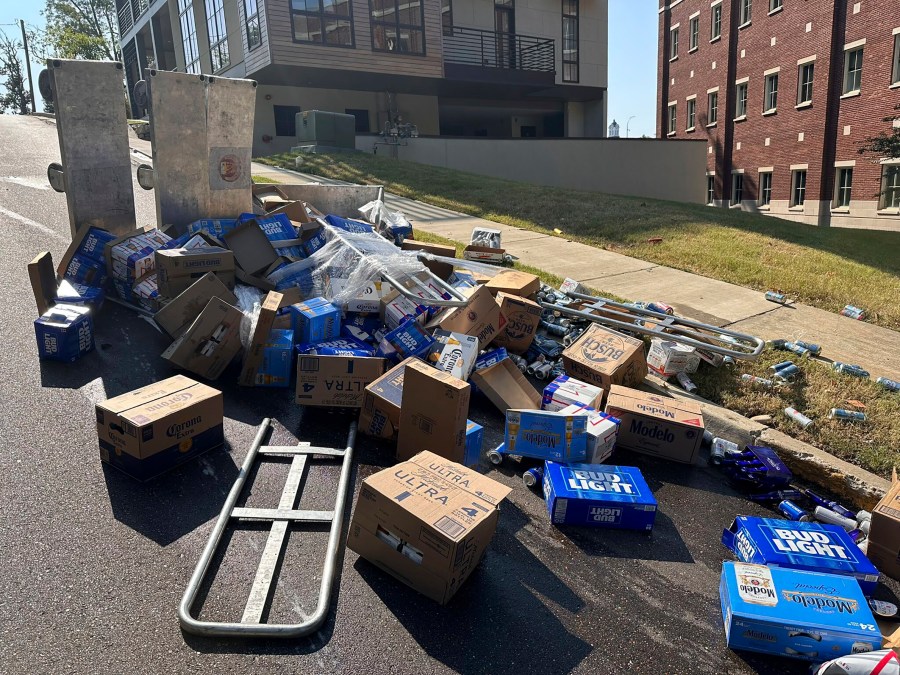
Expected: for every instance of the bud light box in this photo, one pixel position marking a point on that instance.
(64, 333)
(814, 547)
(803, 615)
(546, 435)
(597, 495)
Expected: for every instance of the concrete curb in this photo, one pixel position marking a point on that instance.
(850, 484)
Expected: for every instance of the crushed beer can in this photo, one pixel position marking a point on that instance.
(757, 381)
(774, 296)
(852, 312)
(846, 415)
(849, 369)
(891, 385)
(798, 417)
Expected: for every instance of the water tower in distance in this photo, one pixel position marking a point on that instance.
(614, 130)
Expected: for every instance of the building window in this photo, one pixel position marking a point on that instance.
(570, 40)
(771, 93)
(740, 96)
(895, 78)
(397, 26)
(189, 36)
(695, 32)
(890, 191)
(765, 188)
(713, 107)
(737, 189)
(843, 187)
(710, 190)
(674, 44)
(805, 89)
(746, 11)
(218, 37)
(673, 122)
(447, 16)
(798, 188)
(775, 5)
(716, 23)
(691, 113)
(362, 119)
(251, 11)
(286, 119)
(325, 22)
(853, 63)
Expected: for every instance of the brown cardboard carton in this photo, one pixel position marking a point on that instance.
(252, 249)
(884, 531)
(484, 254)
(514, 282)
(178, 268)
(604, 357)
(335, 381)
(520, 318)
(153, 429)
(481, 317)
(427, 522)
(506, 387)
(179, 313)
(380, 413)
(433, 413)
(43, 281)
(211, 341)
(253, 357)
(440, 269)
(656, 425)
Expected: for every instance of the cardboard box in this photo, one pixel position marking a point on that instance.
(178, 268)
(255, 354)
(506, 387)
(604, 357)
(655, 425)
(397, 309)
(474, 443)
(252, 249)
(884, 531)
(64, 333)
(344, 345)
(155, 428)
(803, 615)
(520, 318)
(433, 413)
(70, 293)
(514, 282)
(43, 281)
(483, 254)
(82, 270)
(602, 430)
(176, 315)
(88, 244)
(315, 320)
(546, 435)
(367, 300)
(133, 256)
(277, 359)
(814, 547)
(409, 339)
(336, 381)
(598, 496)
(565, 391)
(666, 358)
(571, 286)
(480, 318)
(380, 414)
(439, 269)
(210, 343)
(427, 522)
(454, 353)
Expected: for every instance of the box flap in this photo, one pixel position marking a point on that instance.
(150, 411)
(151, 392)
(466, 479)
(506, 386)
(175, 316)
(252, 249)
(654, 405)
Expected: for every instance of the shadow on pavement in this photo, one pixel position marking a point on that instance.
(662, 544)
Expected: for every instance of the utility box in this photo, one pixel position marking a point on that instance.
(320, 130)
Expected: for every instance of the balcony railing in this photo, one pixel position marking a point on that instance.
(490, 49)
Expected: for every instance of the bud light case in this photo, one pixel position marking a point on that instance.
(546, 435)
(70, 293)
(409, 339)
(814, 547)
(64, 333)
(597, 495)
(344, 345)
(804, 615)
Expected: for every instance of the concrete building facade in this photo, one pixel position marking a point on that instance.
(485, 68)
(785, 92)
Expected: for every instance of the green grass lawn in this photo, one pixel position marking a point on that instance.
(826, 268)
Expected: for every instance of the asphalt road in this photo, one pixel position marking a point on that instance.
(94, 564)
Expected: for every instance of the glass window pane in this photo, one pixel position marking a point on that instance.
(410, 14)
(383, 10)
(307, 28)
(337, 32)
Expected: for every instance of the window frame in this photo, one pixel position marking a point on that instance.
(735, 193)
(673, 42)
(710, 189)
(694, 33)
(447, 27)
(801, 69)
(716, 22)
(840, 189)
(849, 54)
(691, 114)
(895, 64)
(890, 193)
(765, 192)
(321, 16)
(673, 119)
(396, 25)
(186, 17)
(220, 45)
(775, 6)
(770, 93)
(739, 101)
(568, 62)
(745, 13)
(710, 118)
(252, 19)
(294, 117)
(796, 188)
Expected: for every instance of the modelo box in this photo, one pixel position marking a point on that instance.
(64, 333)
(546, 435)
(155, 428)
(597, 495)
(427, 522)
(603, 357)
(656, 425)
(803, 615)
(814, 547)
(335, 381)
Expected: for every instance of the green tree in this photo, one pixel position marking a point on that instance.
(83, 29)
(884, 145)
(15, 97)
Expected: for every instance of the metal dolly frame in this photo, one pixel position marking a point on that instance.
(251, 624)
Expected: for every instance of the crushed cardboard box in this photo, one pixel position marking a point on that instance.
(506, 387)
(519, 318)
(210, 342)
(179, 313)
(514, 282)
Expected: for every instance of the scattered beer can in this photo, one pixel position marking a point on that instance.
(774, 296)
(721, 448)
(793, 512)
(849, 369)
(813, 348)
(847, 415)
(775, 344)
(757, 381)
(863, 515)
(888, 384)
(533, 477)
(775, 496)
(686, 383)
(661, 307)
(728, 361)
(824, 515)
(787, 374)
(829, 504)
(796, 349)
(798, 417)
(883, 608)
(778, 366)
(852, 312)
(882, 661)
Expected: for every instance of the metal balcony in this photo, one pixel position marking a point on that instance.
(490, 56)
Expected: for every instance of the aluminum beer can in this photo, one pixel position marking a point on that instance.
(778, 366)
(813, 348)
(721, 448)
(828, 516)
(888, 384)
(660, 307)
(686, 383)
(796, 349)
(775, 344)
(849, 369)
(757, 381)
(798, 417)
(793, 512)
(774, 296)
(728, 361)
(848, 415)
(787, 373)
(533, 477)
(852, 312)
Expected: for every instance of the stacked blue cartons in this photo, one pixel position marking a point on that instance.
(278, 358)
(813, 547)
(474, 441)
(87, 264)
(70, 293)
(64, 333)
(598, 495)
(546, 435)
(803, 615)
(343, 345)
(315, 320)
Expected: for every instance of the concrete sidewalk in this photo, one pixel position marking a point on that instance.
(700, 298)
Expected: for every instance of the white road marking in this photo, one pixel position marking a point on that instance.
(35, 182)
(31, 223)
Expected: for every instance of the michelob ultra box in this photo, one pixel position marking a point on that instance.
(597, 495)
(546, 435)
(815, 547)
(803, 615)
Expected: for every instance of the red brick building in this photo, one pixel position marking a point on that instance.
(784, 92)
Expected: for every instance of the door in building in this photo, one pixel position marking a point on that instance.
(505, 27)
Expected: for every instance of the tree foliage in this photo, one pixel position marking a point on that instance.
(15, 97)
(83, 29)
(884, 145)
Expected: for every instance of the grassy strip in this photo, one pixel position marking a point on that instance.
(823, 267)
(264, 179)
